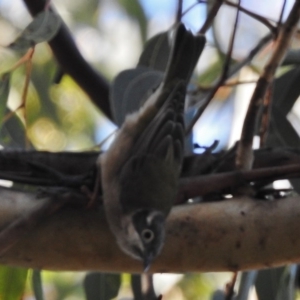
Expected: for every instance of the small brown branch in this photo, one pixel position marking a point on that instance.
(72, 62)
(231, 83)
(255, 16)
(244, 157)
(238, 66)
(266, 114)
(27, 60)
(239, 82)
(233, 70)
(260, 45)
(179, 11)
(282, 12)
(229, 290)
(193, 5)
(25, 92)
(211, 16)
(214, 183)
(224, 74)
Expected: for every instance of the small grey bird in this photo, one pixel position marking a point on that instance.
(141, 169)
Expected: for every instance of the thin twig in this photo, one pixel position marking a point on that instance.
(235, 68)
(214, 183)
(27, 60)
(27, 56)
(211, 16)
(221, 80)
(266, 114)
(179, 11)
(231, 83)
(25, 92)
(244, 158)
(192, 6)
(253, 15)
(229, 290)
(281, 13)
(238, 66)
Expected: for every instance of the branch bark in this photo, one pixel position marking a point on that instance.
(219, 236)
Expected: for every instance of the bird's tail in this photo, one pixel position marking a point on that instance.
(185, 52)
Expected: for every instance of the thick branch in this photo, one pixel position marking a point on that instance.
(219, 236)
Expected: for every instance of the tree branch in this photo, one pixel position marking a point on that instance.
(219, 236)
(215, 183)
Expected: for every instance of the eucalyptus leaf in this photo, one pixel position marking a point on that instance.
(281, 132)
(287, 90)
(292, 57)
(267, 283)
(4, 92)
(12, 283)
(12, 132)
(211, 74)
(43, 28)
(37, 285)
(100, 286)
(130, 89)
(287, 287)
(156, 52)
(218, 295)
(136, 286)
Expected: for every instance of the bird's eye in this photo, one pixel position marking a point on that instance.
(147, 235)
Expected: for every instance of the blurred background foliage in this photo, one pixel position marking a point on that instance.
(110, 34)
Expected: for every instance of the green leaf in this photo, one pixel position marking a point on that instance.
(4, 91)
(281, 132)
(211, 74)
(287, 287)
(136, 286)
(43, 28)
(287, 90)
(100, 286)
(277, 283)
(156, 52)
(130, 89)
(12, 283)
(12, 132)
(292, 57)
(37, 285)
(267, 282)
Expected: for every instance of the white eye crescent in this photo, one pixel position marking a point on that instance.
(147, 235)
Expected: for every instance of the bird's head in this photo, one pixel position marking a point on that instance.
(143, 235)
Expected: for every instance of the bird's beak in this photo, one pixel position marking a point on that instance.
(147, 263)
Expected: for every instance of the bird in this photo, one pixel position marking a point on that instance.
(140, 170)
